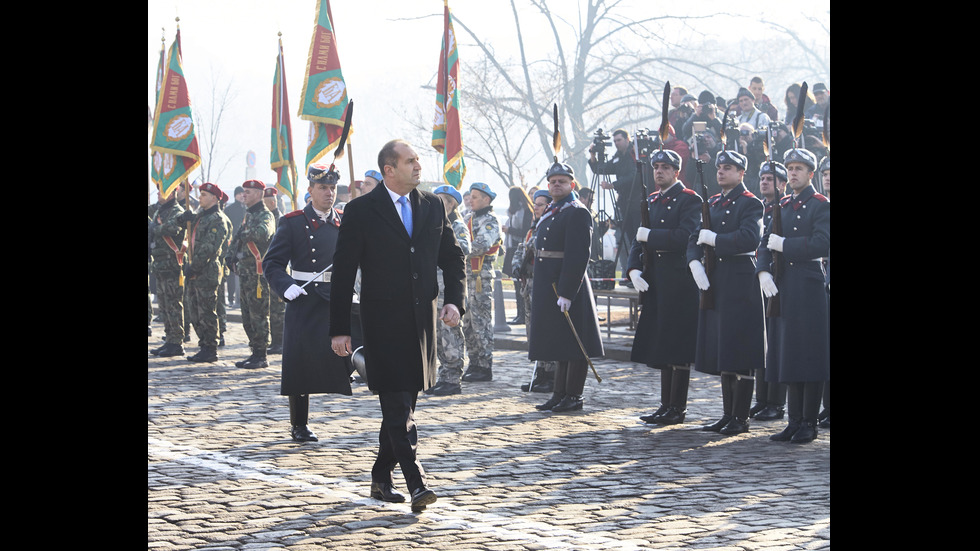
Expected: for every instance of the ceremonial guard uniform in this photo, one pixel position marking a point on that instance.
(209, 232)
(277, 307)
(451, 343)
(666, 333)
(561, 257)
(249, 245)
(169, 253)
(824, 415)
(731, 335)
(306, 243)
(799, 338)
(485, 239)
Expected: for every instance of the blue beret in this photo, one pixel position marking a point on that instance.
(321, 174)
(727, 157)
(374, 174)
(666, 156)
(542, 193)
(306, 198)
(484, 188)
(450, 191)
(560, 168)
(801, 156)
(775, 168)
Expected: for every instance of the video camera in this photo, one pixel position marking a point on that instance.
(599, 143)
(646, 143)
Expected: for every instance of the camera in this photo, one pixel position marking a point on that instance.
(600, 142)
(646, 142)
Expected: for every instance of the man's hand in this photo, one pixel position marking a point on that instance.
(642, 234)
(341, 345)
(449, 315)
(606, 185)
(639, 283)
(564, 304)
(700, 276)
(294, 291)
(707, 237)
(768, 285)
(775, 243)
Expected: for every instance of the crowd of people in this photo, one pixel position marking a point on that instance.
(734, 283)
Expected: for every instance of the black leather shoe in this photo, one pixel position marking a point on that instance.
(158, 349)
(719, 424)
(422, 497)
(825, 424)
(788, 432)
(552, 402)
(735, 426)
(171, 350)
(759, 406)
(569, 403)
(672, 416)
(302, 434)
(653, 416)
(386, 492)
(771, 413)
(446, 389)
(517, 321)
(807, 432)
(478, 375)
(257, 361)
(205, 354)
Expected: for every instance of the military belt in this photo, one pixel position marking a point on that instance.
(549, 254)
(309, 276)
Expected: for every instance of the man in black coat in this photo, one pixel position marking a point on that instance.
(306, 240)
(622, 165)
(398, 236)
(666, 333)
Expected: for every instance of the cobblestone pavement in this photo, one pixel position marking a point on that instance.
(223, 473)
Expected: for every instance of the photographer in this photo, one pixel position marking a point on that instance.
(705, 142)
(623, 167)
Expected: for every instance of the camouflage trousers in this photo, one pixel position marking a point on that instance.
(202, 298)
(478, 319)
(170, 302)
(450, 345)
(220, 307)
(526, 295)
(254, 299)
(277, 318)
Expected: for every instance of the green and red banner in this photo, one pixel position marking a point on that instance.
(324, 96)
(161, 69)
(446, 136)
(282, 134)
(175, 150)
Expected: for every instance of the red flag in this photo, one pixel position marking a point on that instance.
(446, 136)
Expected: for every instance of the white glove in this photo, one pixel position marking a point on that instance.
(639, 283)
(642, 234)
(564, 304)
(775, 242)
(294, 291)
(706, 237)
(768, 285)
(700, 276)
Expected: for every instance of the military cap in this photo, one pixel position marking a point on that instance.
(542, 193)
(484, 188)
(321, 174)
(727, 157)
(687, 98)
(253, 184)
(819, 87)
(666, 156)
(212, 189)
(745, 92)
(825, 163)
(450, 191)
(374, 174)
(706, 97)
(239, 189)
(560, 168)
(775, 168)
(801, 156)
(270, 192)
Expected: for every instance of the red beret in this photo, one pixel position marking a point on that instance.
(212, 189)
(270, 192)
(253, 184)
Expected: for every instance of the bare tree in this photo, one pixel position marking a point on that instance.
(208, 122)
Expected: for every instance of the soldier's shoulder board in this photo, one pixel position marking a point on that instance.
(748, 193)
(821, 197)
(689, 191)
(293, 214)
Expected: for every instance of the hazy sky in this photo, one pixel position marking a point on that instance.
(388, 50)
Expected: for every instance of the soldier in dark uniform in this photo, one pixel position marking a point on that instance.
(732, 334)
(666, 333)
(824, 416)
(561, 257)
(799, 338)
(770, 399)
(169, 253)
(277, 307)
(204, 269)
(306, 240)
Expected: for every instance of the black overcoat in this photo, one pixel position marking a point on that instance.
(309, 365)
(732, 335)
(399, 288)
(666, 333)
(799, 338)
(565, 227)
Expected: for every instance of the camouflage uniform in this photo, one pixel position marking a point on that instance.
(451, 342)
(203, 272)
(248, 247)
(168, 259)
(485, 239)
(223, 286)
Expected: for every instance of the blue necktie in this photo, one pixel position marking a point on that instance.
(406, 215)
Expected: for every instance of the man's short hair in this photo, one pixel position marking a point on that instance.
(387, 156)
(681, 89)
(622, 132)
(756, 79)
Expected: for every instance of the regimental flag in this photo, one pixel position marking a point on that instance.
(324, 96)
(282, 134)
(175, 150)
(446, 137)
(161, 69)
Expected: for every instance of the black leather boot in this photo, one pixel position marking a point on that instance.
(299, 412)
(727, 398)
(257, 361)
(655, 415)
(241, 363)
(552, 402)
(679, 384)
(761, 392)
(789, 431)
(171, 350)
(806, 433)
(569, 403)
(207, 353)
(740, 407)
(477, 374)
(544, 381)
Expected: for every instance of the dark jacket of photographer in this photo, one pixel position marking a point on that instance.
(623, 167)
